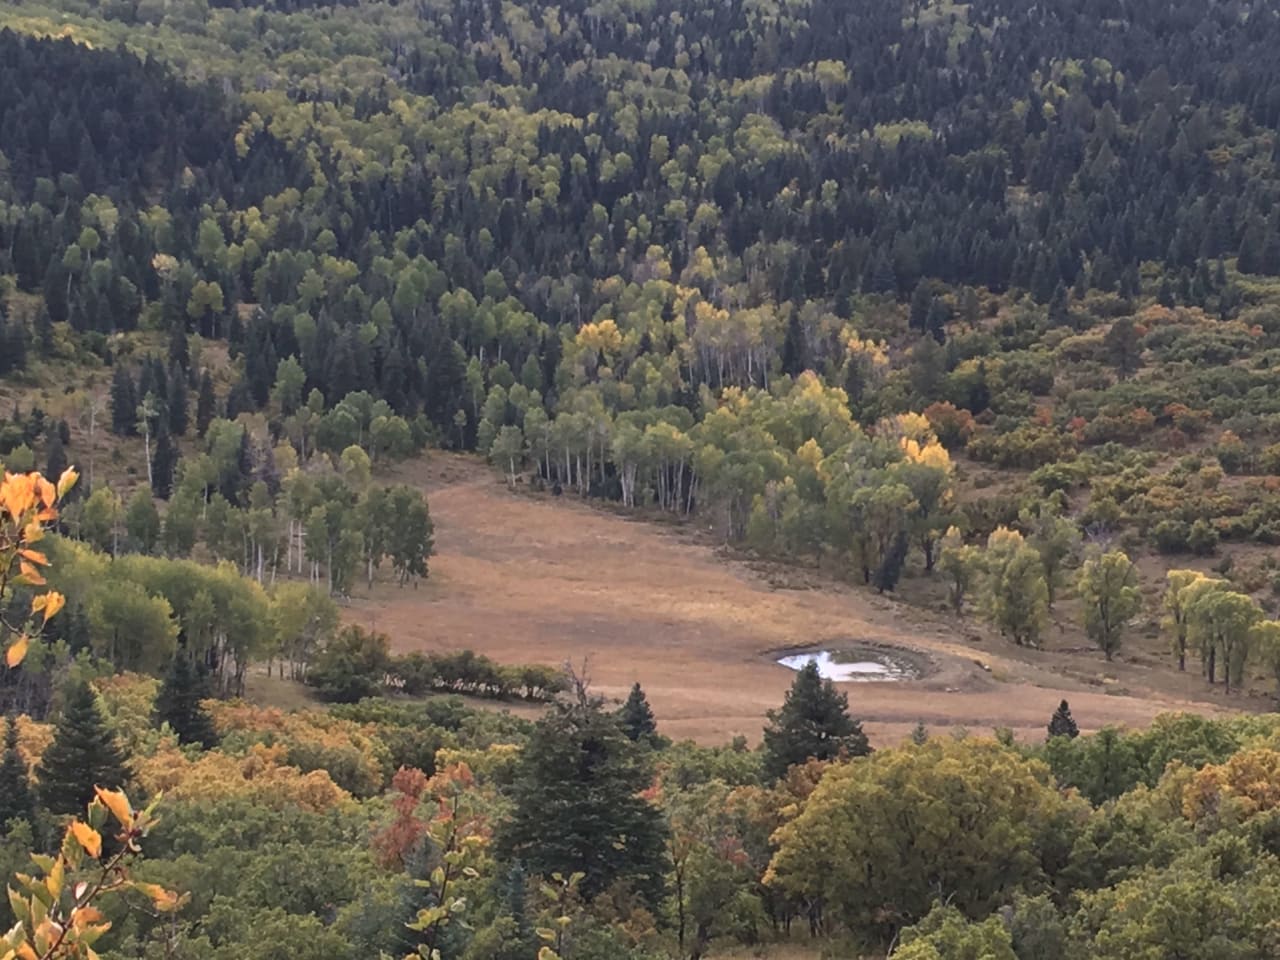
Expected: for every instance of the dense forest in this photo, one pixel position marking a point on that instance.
(976, 303)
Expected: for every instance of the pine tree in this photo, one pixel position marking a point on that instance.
(179, 346)
(176, 402)
(577, 804)
(794, 354)
(56, 461)
(164, 463)
(921, 302)
(1062, 724)
(124, 403)
(636, 717)
(206, 403)
(814, 722)
(16, 802)
(178, 704)
(44, 331)
(84, 754)
(920, 734)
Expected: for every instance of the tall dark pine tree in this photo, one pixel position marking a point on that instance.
(178, 703)
(164, 463)
(44, 331)
(15, 786)
(1062, 724)
(636, 717)
(813, 722)
(176, 402)
(578, 805)
(921, 302)
(179, 346)
(124, 403)
(206, 403)
(794, 355)
(56, 461)
(84, 754)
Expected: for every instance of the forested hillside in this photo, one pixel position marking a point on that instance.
(977, 304)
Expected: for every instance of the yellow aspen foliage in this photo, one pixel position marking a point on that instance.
(1248, 783)
(929, 453)
(261, 776)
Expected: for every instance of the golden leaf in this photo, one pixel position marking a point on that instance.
(118, 804)
(88, 838)
(16, 652)
(50, 603)
(67, 481)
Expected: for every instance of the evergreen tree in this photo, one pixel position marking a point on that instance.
(814, 722)
(1062, 724)
(44, 331)
(56, 461)
(164, 463)
(178, 703)
(84, 754)
(921, 303)
(920, 734)
(794, 354)
(578, 806)
(179, 346)
(636, 717)
(176, 402)
(16, 802)
(206, 403)
(124, 403)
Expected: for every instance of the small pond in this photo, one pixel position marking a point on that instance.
(855, 665)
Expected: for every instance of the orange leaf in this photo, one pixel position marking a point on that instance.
(47, 492)
(30, 574)
(82, 915)
(166, 901)
(118, 804)
(35, 556)
(88, 838)
(17, 650)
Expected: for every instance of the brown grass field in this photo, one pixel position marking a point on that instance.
(532, 578)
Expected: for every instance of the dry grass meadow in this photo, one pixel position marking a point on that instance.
(533, 578)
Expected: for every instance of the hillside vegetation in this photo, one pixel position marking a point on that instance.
(973, 304)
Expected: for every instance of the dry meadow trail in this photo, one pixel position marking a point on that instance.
(534, 578)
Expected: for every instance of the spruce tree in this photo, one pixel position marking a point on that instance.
(794, 352)
(56, 461)
(813, 722)
(636, 717)
(1062, 724)
(577, 804)
(176, 402)
(84, 754)
(921, 302)
(15, 786)
(44, 331)
(164, 463)
(124, 403)
(178, 704)
(206, 403)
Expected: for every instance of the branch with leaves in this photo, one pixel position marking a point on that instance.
(56, 905)
(28, 505)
